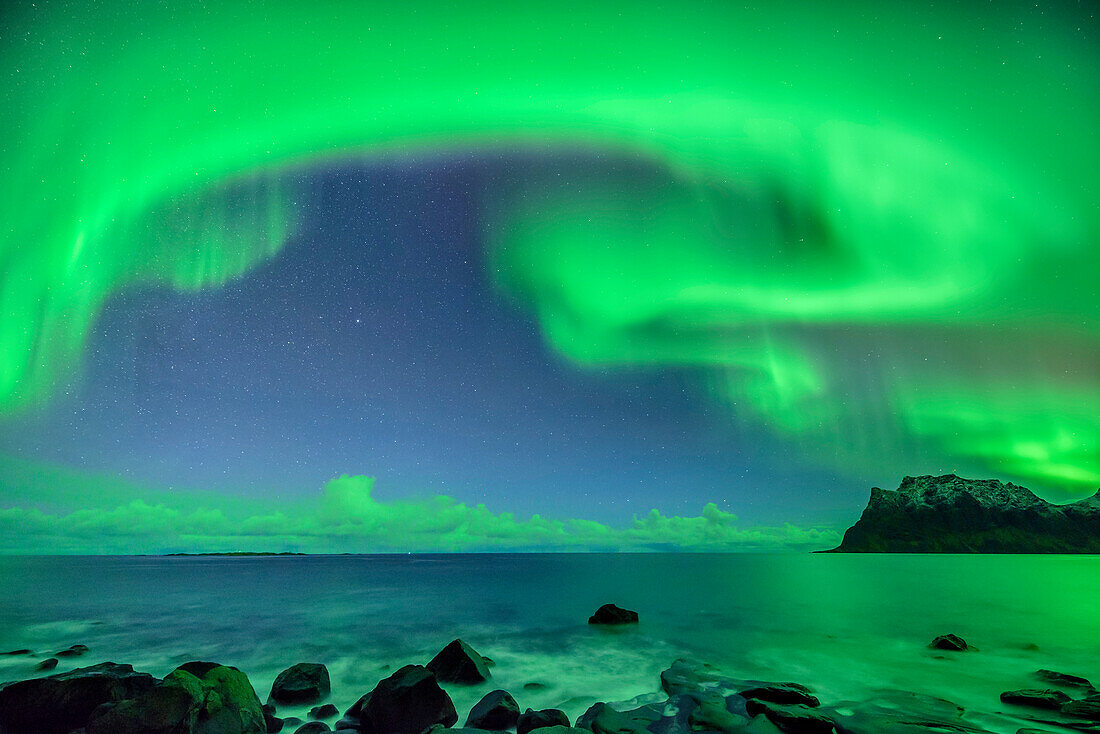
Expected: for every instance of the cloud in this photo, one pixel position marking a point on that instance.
(346, 518)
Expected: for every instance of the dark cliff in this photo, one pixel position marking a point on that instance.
(949, 514)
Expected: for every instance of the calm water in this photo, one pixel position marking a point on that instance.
(844, 625)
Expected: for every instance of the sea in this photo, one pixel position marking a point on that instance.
(847, 626)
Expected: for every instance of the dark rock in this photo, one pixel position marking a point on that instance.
(301, 683)
(560, 730)
(1048, 698)
(701, 710)
(734, 704)
(313, 727)
(1085, 708)
(346, 724)
(794, 719)
(787, 693)
(712, 714)
(900, 712)
(169, 708)
(195, 698)
(325, 711)
(953, 643)
(273, 723)
(701, 699)
(602, 719)
(686, 675)
(1062, 679)
(531, 719)
(408, 702)
(761, 725)
(949, 514)
(72, 651)
(496, 711)
(611, 614)
(534, 686)
(239, 704)
(357, 708)
(23, 651)
(459, 663)
(47, 664)
(291, 721)
(678, 712)
(63, 702)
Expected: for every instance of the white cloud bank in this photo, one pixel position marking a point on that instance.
(347, 519)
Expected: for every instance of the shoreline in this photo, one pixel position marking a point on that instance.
(692, 696)
(855, 632)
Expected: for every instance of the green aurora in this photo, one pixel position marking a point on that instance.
(799, 209)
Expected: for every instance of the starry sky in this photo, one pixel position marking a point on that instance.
(406, 279)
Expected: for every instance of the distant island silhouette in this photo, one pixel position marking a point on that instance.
(239, 553)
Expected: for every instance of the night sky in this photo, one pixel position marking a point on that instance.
(535, 293)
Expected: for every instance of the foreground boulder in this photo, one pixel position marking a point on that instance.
(64, 702)
(699, 701)
(685, 676)
(1086, 708)
(238, 698)
(1063, 679)
(1041, 699)
(195, 698)
(170, 708)
(301, 683)
(273, 723)
(496, 711)
(408, 702)
(71, 652)
(313, 727)
(901, 712)
(530, 720)
(602, 719)
(711, 712)
(459, 663)
(356, 708)
(794, 719)
(952, 643)
(786, 693)
(325, 711)
(611, 614)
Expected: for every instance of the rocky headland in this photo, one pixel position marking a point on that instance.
(949, 514)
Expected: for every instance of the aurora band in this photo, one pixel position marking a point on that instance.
(775, 196)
